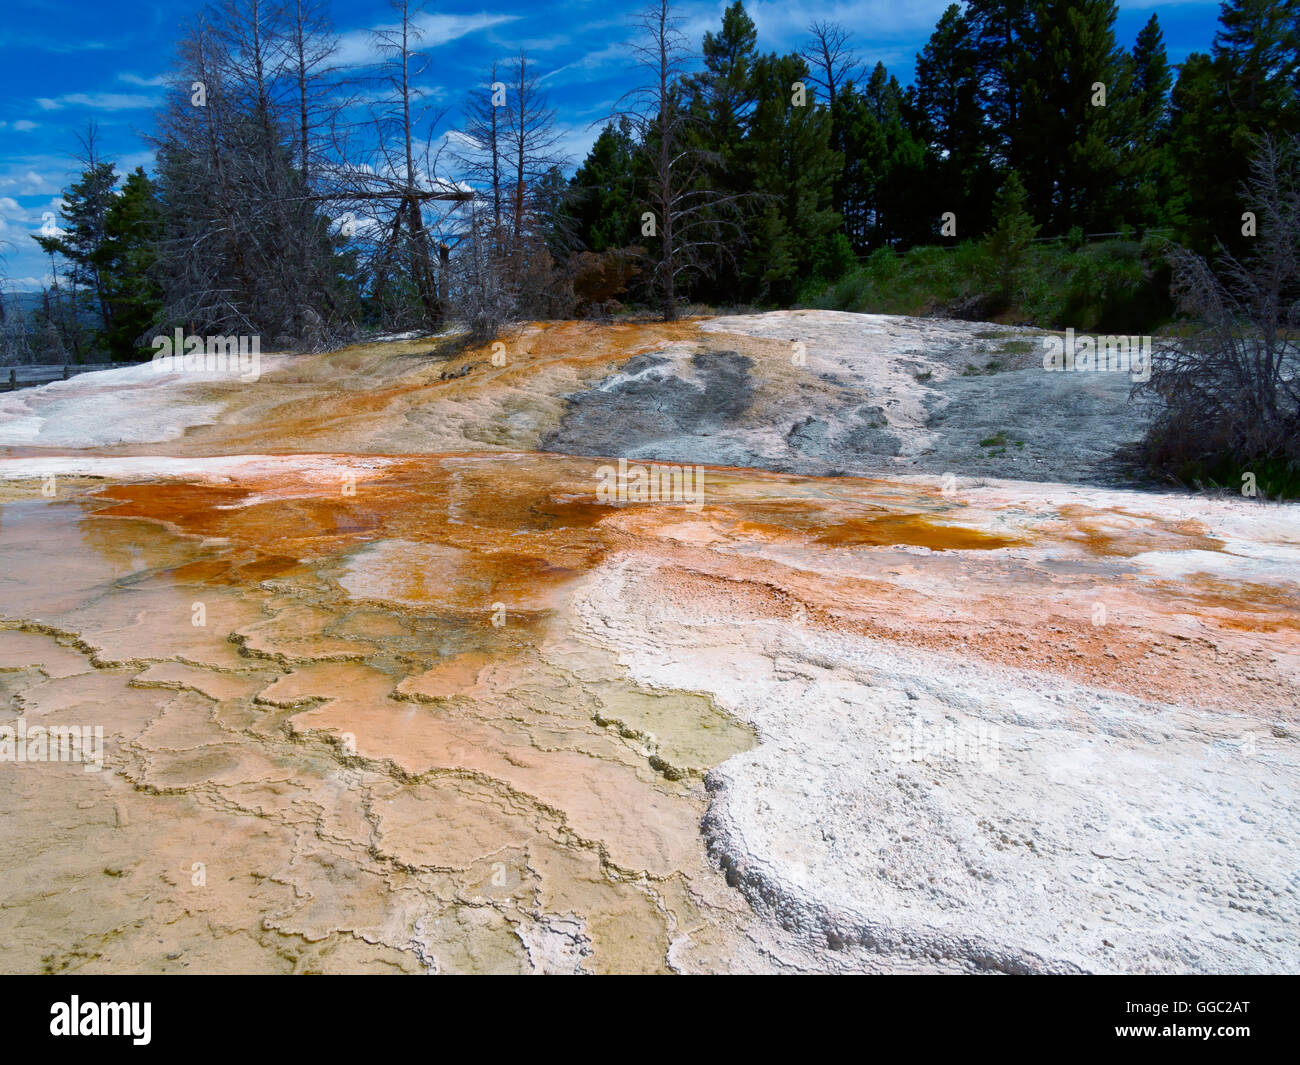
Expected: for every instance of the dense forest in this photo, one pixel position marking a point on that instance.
(1037, 170)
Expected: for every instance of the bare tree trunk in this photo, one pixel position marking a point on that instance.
(686, 210)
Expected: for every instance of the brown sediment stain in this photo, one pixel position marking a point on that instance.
(433, 395)
(1247, 606)
(1141, 649)
(377, 775)
(1124, 534)
(465, 538)
(911, 530)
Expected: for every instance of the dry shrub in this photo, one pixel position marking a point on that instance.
(1228, 392)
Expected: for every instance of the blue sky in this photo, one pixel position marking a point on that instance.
(64, 63)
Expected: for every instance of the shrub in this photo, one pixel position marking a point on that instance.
(1228, 393)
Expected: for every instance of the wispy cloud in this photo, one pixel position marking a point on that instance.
(610, 55)
(357, 48)
(30, 183)
(27, 284)
(155, 82)
(52, 43)
(97, 101)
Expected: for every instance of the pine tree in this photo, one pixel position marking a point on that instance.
(1150, 124)
(1258, 49)
(951, 122)
(721, 103)
(724, 90)
(1222, 103)
(792, 166)
(1013, 232)
(603, 194)
(1151, 77)
(863, 141)
(999, 28)
(130, 254)
(1072, 150)
(895, 170)
(81, 239)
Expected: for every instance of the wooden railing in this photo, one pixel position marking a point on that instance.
(30, 376)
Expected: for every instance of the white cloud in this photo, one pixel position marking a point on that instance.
(574, 142)
(1144, 5)
(27, 284)
(99, 101)
(357, 47)
(783, 24)
(30, 183)
(152, 83)
(23, 125)
(611, 54)
(456, 139)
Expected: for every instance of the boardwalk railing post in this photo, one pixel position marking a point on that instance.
(66, 374)
(13, 379)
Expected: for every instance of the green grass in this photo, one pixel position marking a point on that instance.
(998, 443)
(1113, 286)
(1017, 347)
(1275, 478)
(991, 367)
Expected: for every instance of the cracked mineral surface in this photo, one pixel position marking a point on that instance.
(385, 686)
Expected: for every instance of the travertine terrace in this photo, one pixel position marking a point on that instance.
(889, 700)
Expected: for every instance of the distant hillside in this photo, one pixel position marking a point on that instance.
(24, 302)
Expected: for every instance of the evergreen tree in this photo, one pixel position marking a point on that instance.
(951, 122)
(863, 141)
(130, 253)
(1073, 151)
(1149, 152)
(1222, 103)
(725, 89)
(81, 239)
(1151, 77)
(603, 191)
(792, 167)
(1011, 237)
(722, 99)
(899, 216)
(1204, 172)
(999, 27)
(1257, 48)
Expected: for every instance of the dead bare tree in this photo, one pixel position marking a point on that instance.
(509, 148)
(395, 180)
(481, 149)
(204, 263)
(531, 142)
(309, 45)
(831, 59)
(244, 248)
(15, 327)
(480, 290)
(685, 211)
(1230, 392)
(832, 64)
(398, 45)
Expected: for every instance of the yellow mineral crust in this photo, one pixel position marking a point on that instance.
(441, 708)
